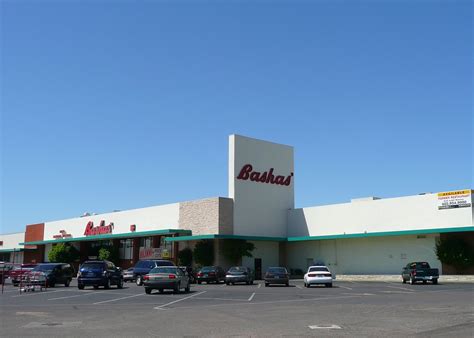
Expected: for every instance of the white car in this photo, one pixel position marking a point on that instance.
(318, 274)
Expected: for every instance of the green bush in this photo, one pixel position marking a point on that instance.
(455, 252)
(63, 253)
(109, 253)
(185, 257)
(204, 253)
(235, 249)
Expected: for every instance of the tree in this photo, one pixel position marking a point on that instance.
(235, 249)
(185, 257)
(204, 253)
(455, 252)
(109, 253)
(63, 253)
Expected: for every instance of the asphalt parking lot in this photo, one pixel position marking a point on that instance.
(347, 309)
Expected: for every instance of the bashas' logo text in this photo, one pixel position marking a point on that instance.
(247, 173)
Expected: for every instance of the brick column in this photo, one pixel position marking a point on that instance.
(155, 241)
(136, 250)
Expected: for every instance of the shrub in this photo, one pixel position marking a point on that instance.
(204, 253)
(63, 253)
(235, 249)
(185, 257)
(455, 252)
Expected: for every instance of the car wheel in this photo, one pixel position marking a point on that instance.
(96, 287)
(107, 284)
(139, 281)
(66, 284)
(329, 285)
(266, 284)
(227, 283)
(247, 282)
(287, 284)
(233, 283)
(160, 290)
(147, 291)
(15, 284)
(412, 281)
(304, 284)
(177, 288)
(80, 286)
(51, 284)
(120, 284)
(199, 282)
(424, 282)
(308, 285)
(188, 289)
(404, 281)
(435, 281)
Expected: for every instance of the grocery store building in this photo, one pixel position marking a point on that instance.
(363, 236)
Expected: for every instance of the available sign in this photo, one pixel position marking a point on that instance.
(454, 199)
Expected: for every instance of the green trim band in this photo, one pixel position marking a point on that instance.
(380, 234)
(113, 236)
(11, 250)
(201, 237)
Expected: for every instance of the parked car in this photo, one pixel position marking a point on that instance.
(99, 273)
(318, 274)
(239, 274)
(19, 271)
(189, 270)
(128, 275)
(166, 277)
(50, 274)
(277, 275)
(210, 274)
(419, 271)
(5, 269)
(144, 266)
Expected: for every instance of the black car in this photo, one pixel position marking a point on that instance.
(99, 273)
(144, 266)
(210, 274)
(53, 273)
(277, 275)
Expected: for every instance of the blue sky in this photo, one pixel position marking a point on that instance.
(130, 105)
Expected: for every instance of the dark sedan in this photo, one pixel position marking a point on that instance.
(208, 274)
(277, 275)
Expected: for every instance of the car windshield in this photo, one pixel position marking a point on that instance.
(44, 267)
(421, 265)
(277, 270)
(164, 263)
(92, 266)
(208, 268)
(318, 268)
(163, 270)
(238, 269)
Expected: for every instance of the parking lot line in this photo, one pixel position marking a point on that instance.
(344, 287)
(399, 287)
(179, 300)
(83, 294)
(116, 299)
(37, 293)
(299, 287)
(259, 285)
(251, 297)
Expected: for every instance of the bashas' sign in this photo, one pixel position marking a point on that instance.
(102, 229)
(247, 173)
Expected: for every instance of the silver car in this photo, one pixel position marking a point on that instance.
(166, 277)
(239, 274)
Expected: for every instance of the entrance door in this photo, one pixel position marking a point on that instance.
(258, 268)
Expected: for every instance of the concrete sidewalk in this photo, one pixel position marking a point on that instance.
(397, 278)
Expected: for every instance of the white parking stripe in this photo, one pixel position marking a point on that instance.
(116, 299)
(299, 287)
(84, 294)
(259, 285)
(37, 293)
(398, 287)
(344, 287)
(251, 297)
(179, 300)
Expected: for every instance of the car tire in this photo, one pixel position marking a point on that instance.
(120, 284)
(139, 281)
(80, 286)
(247, 282)
(199, 282)
(15, 284)
(435, 281)
(329, 285)
(160, 290)
(266, 284)
(424, 282)
(177, 288)
(233, 283)
(227, 283)
(66, 284)
(188, 289)
(96, 287)
(147, 291)
(51, 284)
(308, 285)
(412, 281)
(107, 284)
(404, 281)
(287, 284)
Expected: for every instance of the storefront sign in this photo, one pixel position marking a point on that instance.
(454, 199)
(247, 173)
(153, 253)
(133, 228)
(62, 234)
(102, 229)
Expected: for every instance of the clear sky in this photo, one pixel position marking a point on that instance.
(110, 105)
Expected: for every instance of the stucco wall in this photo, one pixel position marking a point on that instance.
(10, 241)
(391, 214)
(371, 255)
(267, 251)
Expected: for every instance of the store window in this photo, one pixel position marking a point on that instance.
(146, 242)
(126, 249)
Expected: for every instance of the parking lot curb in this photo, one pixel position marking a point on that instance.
(397, 278)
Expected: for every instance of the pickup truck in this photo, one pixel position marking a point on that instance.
(419, 271)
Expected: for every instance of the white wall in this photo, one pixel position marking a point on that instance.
(267, 251)
(10, 241)
(391, 214)
(146, 219)
(260, 208)
(370, 255)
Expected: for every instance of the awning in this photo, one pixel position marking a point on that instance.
(111, 236)
(201, 237)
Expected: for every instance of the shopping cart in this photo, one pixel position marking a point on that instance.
(33, 281)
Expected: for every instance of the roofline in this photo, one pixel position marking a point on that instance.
(108, 236)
